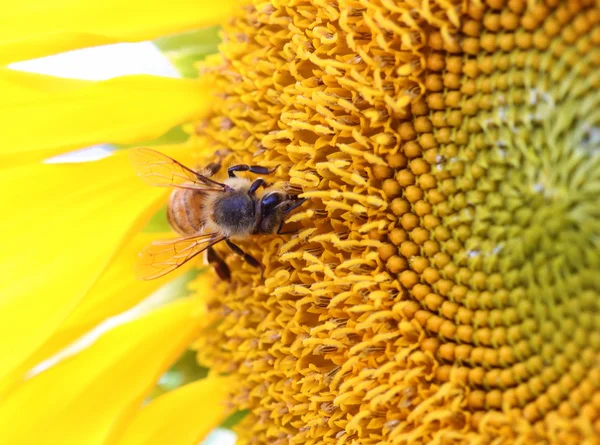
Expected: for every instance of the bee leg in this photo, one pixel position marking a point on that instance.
(287, 232)
(247, 258)
(260, 182)
(214, 167)
(250, 168)
(220, 266)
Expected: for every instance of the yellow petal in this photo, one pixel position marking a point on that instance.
(182, 417)
(79, 400)
(62, 224)
(42, 115)
(116, 291)
(35, 28)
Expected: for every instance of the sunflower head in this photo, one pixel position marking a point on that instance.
(438, 285)
(442, 282)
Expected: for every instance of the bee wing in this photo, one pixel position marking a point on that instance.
(160, 170)
(164, 256)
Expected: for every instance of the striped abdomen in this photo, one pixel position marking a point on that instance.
(184, 211)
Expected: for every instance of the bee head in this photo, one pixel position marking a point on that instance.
(273, 208)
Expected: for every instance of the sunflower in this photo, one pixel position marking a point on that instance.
(442, 281)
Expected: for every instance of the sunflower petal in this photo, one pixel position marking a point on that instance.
(42, 115)
(35, 28)
(63, 223)
(116, 291)
(183, 416)
(79, 400)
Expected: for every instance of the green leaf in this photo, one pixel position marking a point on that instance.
(187, 49)
(158, 222)
(175, 135)
(184, 371)
(234, 419)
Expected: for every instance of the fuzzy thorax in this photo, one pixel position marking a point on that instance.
(232, 213)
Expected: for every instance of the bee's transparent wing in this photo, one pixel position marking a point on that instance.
(162, 257)
(160, 170)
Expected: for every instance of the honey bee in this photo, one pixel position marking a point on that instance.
(205, 212)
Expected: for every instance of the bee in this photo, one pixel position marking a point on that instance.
(205, 212)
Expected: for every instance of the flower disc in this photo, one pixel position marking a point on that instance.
(443, 283)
